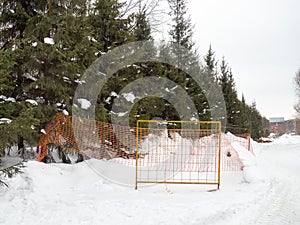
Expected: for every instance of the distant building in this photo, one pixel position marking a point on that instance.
(280, 126)
(274, 123)
(276, 119)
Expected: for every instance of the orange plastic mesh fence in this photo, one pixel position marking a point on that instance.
(230, 159)
(100, 140)
(195, 145)
(93, 139)
(233, 136)
(58, 132)
(241, 136)
(168, 154)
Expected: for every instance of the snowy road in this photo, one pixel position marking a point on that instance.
(75, 194)
(284, 168)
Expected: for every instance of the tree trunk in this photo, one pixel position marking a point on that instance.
(80, 158)
(64, 157)
(21, 148)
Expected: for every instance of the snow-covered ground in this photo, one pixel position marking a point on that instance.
(9, 161)
(266, 192)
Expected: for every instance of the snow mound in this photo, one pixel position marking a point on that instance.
(251, 171)
(113, 172)
(287, 139)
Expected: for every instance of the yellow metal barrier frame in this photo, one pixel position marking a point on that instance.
(218, 123)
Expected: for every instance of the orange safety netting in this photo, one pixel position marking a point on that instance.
(230, 157)
(96, 139)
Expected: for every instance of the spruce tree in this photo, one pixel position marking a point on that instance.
(181, 35)
(230, 95)
(255, 122)
(108, 26)
(48, 47)
(142, 29)
(181, 32)
(14, 52)
(243, 121)
(109, 30)
(135, 28)
(211, 63)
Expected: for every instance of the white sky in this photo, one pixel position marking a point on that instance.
(260, 39)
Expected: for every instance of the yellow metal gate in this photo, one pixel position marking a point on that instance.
(178, 152)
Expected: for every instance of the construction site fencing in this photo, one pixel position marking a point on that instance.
(230, 157)
(176, 151)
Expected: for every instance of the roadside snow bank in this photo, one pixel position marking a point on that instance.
(287, 139)
(71, 194)
(251, 171)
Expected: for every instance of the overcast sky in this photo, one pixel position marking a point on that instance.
(260, 39)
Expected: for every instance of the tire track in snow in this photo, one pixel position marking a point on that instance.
(280, 208)
(283, 202)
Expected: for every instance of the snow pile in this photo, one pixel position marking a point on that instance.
(251, 171)
(154, 141)
(266, 139)
(231, 136)
(75, 194)
(287, 139)
(113, 172)
(164, 146)
(78, 194)
(189, 159)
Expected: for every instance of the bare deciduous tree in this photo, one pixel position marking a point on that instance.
(155, 11)
(297, 83)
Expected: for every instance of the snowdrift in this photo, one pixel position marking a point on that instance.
(76, 194)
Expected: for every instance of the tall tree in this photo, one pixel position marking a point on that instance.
(134, 27)
(211, 64)
(152, 9)
(181, 32)
(181, 35)
(108, 26)
(230, 94)
(14, 54)
(242, 120)
(297, 84)
(256, 122)
(142, 29)
(48, 46)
